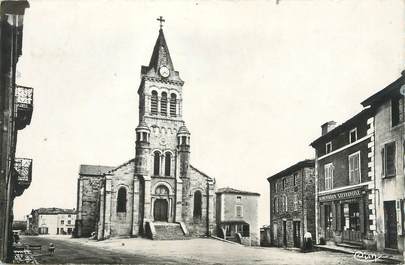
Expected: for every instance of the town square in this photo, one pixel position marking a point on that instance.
(202, 132)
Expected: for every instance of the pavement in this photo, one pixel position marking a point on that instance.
(193, 251)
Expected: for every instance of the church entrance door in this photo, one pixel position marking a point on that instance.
(160, 210)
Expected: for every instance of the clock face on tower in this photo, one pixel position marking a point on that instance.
(164, 71)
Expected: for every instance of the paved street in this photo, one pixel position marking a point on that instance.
(195, 251)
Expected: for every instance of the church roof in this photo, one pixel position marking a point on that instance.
(120, 166)
(235, 191)
(94, 170)
(202, 173)
(160, 54)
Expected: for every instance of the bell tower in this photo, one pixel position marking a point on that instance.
(160, 164)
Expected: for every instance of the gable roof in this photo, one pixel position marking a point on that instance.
(120, 166)
(202, 173)
(383, 94)
(54, 210)
(94, 170)
(229, 190)
(302, 164)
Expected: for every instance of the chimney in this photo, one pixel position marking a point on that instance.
(328, 126)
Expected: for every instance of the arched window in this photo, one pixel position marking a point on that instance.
(154, 103)
(162, 190)
(173, 100)
(122, 200)
(197, 205)
(163, 104)
(168, 160)
(156, 163)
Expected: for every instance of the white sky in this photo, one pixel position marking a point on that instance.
(260, 80)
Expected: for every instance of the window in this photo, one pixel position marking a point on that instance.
(69, 222)
(162, 190)
(239, 199)
(62, 222)
(156, 163)
(388, 160)
(239, 211)
(295, 176)
(275, 206)
(328, 147)
(168, 161)
(397, 110)
(154, 103)
(285, 203)
(295, 202)
(353, 135)
(354, 168)
(197, 212)
(69, 216)
(122, 200)
(276, 186)
(163, 104)
(173, 100)
(284, 183)
(328, 177)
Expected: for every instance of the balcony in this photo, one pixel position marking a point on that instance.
(22, 174)
(23, 106)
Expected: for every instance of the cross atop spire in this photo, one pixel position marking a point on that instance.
(161, 20)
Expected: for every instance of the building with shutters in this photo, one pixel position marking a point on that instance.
(238, 216)
(51, 221)
(292, 207)
(388, 161)
(16, 107)
(157, 194)
(345, 181)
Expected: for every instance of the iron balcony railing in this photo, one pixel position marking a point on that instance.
(24, 97)
(23, 166)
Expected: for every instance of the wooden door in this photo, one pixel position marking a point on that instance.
(160, 210)
(297, 233)
(390, 225)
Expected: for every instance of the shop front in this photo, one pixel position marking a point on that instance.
(343, 216)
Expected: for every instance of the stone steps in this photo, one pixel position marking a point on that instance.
(168, 231)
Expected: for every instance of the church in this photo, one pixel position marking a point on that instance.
(158, 194)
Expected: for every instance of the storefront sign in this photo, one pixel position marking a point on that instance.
(340, 196)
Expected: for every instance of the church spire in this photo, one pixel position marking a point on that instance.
(161, 56)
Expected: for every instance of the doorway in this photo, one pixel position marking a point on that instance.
(160, 210)
(297, 233)
(390, 215)
(284, 233)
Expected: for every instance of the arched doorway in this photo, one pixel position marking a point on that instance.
(160, 210)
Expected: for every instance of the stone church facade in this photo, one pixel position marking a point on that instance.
(158, 194)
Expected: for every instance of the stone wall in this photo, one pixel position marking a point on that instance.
(197, 181)
(88, 203)
(121, 222)
(303, 211)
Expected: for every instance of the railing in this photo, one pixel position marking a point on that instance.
(352, 236)
(24, 105)
(23, 166)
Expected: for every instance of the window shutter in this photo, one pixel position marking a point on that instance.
(383, 162)
(390, 159)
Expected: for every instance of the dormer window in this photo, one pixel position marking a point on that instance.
(353, 135)
(328, 147)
